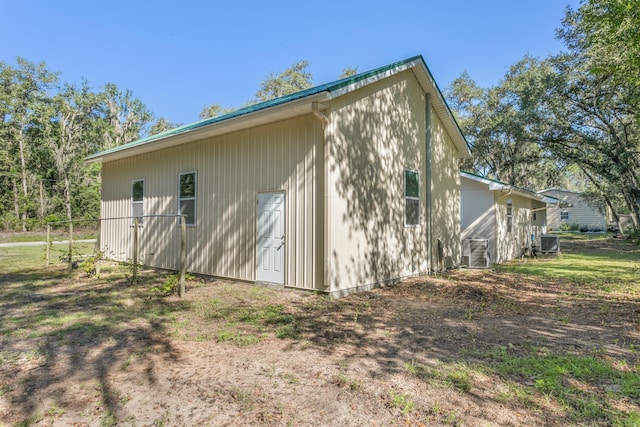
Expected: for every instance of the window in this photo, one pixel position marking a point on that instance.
(509, 216)
(188, 197)
(137, 200)
(564, 216)
(535, 216)
(411, 198)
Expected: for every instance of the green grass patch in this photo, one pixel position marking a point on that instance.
(243, 319)
(32, 258)
(456, 375)
(588, 388)
(68, 307)
(238, 337)
(401, 401)
(610, 266)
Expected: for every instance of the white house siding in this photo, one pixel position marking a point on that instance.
(484, 216)
(510, 244)
(580, 212)
(376, 133)
(231, 170)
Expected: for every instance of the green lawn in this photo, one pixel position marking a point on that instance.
(607, 263)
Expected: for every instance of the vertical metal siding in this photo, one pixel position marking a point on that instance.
(376, 133)
(445, 189)
(231, 170)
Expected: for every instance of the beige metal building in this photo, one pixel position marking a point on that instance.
(508, 217)
(337, 188)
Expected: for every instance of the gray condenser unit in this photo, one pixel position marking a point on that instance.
(475, 253)
(549, 243)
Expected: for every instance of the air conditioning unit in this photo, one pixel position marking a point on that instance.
(475, 253)
(549, 243)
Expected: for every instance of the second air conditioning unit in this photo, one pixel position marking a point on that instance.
(549, 243)
(475, 253)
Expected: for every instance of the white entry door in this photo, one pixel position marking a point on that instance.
(270, 240)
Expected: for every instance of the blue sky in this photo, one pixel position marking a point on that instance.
(180, 56)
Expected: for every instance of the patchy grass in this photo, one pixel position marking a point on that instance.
(547, 338)
(403, 402)
(586, 387)
(457, 375)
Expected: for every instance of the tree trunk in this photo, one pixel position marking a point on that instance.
(634, 209)
(67, 196)
(16, 199)
(23, 175)
(42, 208)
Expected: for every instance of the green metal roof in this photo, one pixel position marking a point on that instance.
(327, 87)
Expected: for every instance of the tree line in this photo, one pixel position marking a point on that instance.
(571, 119)
(568, 120)
(48, 127)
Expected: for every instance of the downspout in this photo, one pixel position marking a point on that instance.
(427, 177)
(319, 114)
(326, 275)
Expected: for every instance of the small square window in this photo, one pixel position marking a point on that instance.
(564, 216)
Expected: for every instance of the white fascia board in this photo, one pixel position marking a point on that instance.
(493, 186)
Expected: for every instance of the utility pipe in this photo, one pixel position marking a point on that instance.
(427, 178)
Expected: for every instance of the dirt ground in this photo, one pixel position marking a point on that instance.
(349, 363)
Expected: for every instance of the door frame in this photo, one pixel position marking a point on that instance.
(255, 234)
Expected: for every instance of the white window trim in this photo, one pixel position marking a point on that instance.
(405, 198)
(144, 193)
(194, 198)
(564, 213)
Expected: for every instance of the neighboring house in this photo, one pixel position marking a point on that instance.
(575, 211)
(510, 218)
(337, 188)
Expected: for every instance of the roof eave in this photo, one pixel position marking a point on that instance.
(500, 186)
(267, 115)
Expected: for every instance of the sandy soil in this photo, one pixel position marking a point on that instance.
(348, 366)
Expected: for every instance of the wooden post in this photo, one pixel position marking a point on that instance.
(96, 249)
(70, 245)
(134, 277)
(46, 251)
(183, 254)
